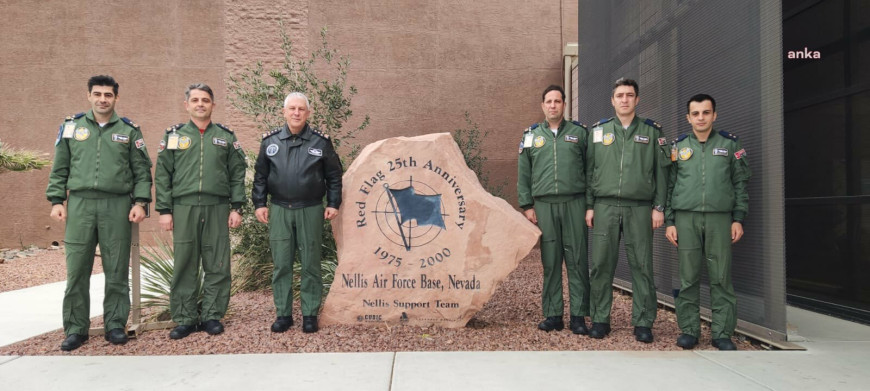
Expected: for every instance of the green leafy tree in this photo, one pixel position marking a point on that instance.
(470, 141)
(259, 93)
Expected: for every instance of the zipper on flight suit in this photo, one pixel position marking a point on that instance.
(201, 152)
(704, 175)
(555, 162)
(621, 160)
(97, 168)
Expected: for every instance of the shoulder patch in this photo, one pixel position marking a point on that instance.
(728, 135)
(318, 132)
(534, 126)
(682, 137)
(602, 121)
(578, 124)
(129, 122)
(273, 132)
(174, 128)
(224, 127)
(652, 123)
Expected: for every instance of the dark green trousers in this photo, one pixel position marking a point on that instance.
(290, 229)
(200, 234)
(100, 218)
(705, 238)
(635, 225)
(563, 236)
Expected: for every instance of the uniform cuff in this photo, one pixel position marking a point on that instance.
(738, 215)
(236, 205)
(164, 211)
(56, 201)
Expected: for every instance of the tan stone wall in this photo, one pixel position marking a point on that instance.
(418, 65)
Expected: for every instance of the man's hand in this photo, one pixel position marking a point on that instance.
(531, 215)
(590, 214)
(137, 214)
(235, 219)
(58, 212)
(166, 222)
(329, 213)
(671, 234)
(658, 219)
(736, 231)
(262, 215)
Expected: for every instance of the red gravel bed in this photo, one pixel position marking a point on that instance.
(43, 267)
(507, 322)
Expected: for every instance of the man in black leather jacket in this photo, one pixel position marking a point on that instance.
(296, 166)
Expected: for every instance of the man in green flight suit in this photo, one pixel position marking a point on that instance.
(550, 186)
(707, 203)
(200, 188)
(102, 161)
(297, 165)
(626, 171)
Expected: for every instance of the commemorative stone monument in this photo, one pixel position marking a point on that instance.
(420, 242)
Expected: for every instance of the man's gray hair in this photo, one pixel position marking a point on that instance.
(297, 95)
(198, 86)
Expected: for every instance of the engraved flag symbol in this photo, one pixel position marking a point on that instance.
(408, 205)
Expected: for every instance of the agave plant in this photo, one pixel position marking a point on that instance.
(157, 264)
(19, 160)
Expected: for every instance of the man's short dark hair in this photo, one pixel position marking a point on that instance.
(102, 80)
(553, 87)
(198, 86)
(626, 82)
(700, 98)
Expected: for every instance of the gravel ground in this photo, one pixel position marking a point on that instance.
(507, 322)
(42, 267)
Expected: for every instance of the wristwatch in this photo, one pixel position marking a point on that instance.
(659, 208)
(239, 211)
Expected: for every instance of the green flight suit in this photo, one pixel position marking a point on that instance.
(626, 171)
(551, 179)
(197, 183)
(102, 168)
(706, 193)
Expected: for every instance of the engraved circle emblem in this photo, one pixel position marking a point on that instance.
(539, 141)
(686, 153)
(184, 142)
(82, 134)
(409, 213)
(272, 149)
(608, 139)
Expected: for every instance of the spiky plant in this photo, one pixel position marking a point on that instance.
(20, 160)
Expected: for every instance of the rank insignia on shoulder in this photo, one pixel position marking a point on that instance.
(652, 123)
(274, 131)
(129, 122)
(533, 127)
(740, 154)
(224, 127)
(602, 122)
(571, 138)
(682, 137)
(728, 135)
(174, 128)
(74, 116)
(578, 124)
(720, 151)
(318, 132)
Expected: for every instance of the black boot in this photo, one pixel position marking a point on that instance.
(599, 330)
(282, 324)
(552, 323)
(213, 327)
(73, 342)
(643, 334)
(724, 344)
(181, 331)
(309, 324)
(116, 336)
(578, 325)
(686, 341)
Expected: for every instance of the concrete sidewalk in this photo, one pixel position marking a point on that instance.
(837, 355)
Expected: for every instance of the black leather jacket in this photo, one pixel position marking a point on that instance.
(297, 170)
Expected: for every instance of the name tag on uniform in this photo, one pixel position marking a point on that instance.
(641, 139)
(315, 152)
(120, 138)
(571, 139)
(597, 135)
(720, 152)
(527, 141)
(69, 129)
(219, 141)
(172, 141)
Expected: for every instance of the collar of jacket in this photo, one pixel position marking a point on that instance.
(90, 116)
(305, 134)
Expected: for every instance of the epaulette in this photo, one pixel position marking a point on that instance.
(273, 132)
(652, 123)
(174, 128)
(602, 122)
(530, 128)
(224, 127)
(682, 137)
(728, 135)
(72, 117)
(578, 124)
(318, 132)
(129, 122)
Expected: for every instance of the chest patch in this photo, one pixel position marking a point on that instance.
(120, 138)
(641, 139)
(184, 142)
(608, 139)
(82, 134)
(272, 149)
(539, 141)
(720, 151)
(686, 153)
(571, 139)
(219, 142)
(315, 152)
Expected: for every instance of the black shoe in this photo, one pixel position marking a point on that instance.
(724, 344)
(578, 325)
(309, 324)
(282, 324)
(599, 330)
(552, 323)
(181, 331)
(213, 327)
(643, 334)
(73, 342)
(116, 336)
(686, 341)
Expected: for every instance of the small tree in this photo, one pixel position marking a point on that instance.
(470, 141)
(18, 160)
(259, 93)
